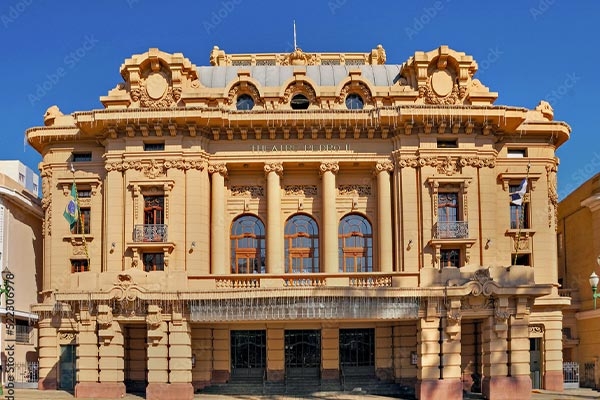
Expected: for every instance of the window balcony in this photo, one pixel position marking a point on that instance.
(451, 230)
(150, 233)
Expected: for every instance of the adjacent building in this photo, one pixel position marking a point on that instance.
(578, 258)
(323, 217)
(21, 218)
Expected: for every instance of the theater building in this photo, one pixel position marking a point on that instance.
(323, 217)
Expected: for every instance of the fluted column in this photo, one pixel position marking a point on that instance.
(330, 220)
(218, 264)
(275, 264)
(384, 212)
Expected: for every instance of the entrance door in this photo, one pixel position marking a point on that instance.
(303, 353)
(67, 367)
(535, 362)
(136, 370)
(357, 352)
(248, 354)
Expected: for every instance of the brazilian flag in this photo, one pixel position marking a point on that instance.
(71, 213)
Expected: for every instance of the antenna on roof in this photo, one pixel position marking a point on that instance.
(295, 45)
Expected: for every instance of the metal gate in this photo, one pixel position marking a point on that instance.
(571, 375)
(587, 378)
(25, 375)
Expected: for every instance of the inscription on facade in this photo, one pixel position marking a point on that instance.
(296, 147)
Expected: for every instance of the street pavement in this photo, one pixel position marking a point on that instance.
(32, 394)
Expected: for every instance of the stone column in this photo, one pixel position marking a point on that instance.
(115, 221)
(275, 354)
(384, 212)
(157, 354)
(330, 343)
(111, 353)
(87, 358)
(48, 353)
(439, 372)
(495, 359)
(553, 362)
(218, 264)
(520, 359)
(180, 360)
(330, 220)
(275, 262)
(197, 220)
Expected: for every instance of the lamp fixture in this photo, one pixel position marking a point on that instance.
(409, 245)
(594, 283)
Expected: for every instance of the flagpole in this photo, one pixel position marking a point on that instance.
(81, 220)
(521, 217)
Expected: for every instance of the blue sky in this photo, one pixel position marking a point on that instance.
(69, 53)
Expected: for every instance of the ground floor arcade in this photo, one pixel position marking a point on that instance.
(438, 346)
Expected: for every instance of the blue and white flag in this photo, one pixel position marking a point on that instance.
(517, 197)
(71, 212)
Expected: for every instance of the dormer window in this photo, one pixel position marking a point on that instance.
(354, 102)
(299, 102)
(245, 102)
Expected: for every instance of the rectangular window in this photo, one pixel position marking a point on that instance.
(154, 146)
(450, 258)
(82, 226)
(520, 259)
(519, 214)
(79, 265)
(21, 178)
(154, 262)
(81, 157)
(84, 194)
(516, 153)
(447, 144)
(23, 331)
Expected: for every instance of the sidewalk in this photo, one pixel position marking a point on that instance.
(32, 394)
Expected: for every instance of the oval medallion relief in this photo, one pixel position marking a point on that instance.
(441, 83)
(156, 85)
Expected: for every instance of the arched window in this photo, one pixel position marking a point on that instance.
(355, 239)
(299, 102)
(244, 102)
(301, 245)
(247, 245)
(354, 102)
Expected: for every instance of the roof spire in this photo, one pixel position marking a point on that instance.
(295, 45)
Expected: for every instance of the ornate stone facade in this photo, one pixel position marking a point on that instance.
(222, 213)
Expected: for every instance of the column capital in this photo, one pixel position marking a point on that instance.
(384, 166)
(220, 168)
(276, 167)
(334, 167)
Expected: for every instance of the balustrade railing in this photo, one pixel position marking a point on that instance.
(451, 230)
(150, 233)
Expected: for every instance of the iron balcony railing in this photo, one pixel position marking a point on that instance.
(451, 230)
(150, 233)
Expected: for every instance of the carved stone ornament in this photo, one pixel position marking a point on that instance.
(329, 166)
(247, 191)
(447, 165)
(355, 87)
(185, 165)
(301, 190)
(386, 166)
(552, 196)
(218, 169)
(244, 88)
(441, 89)
(298, 57)
(536, 329)
(482, 284)
(156, 91)
(299, 87)
(154, 318)
(104, 317)
(66, 338)
(276, 167)
(354, 190)
(46, 174)
(150, 168)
